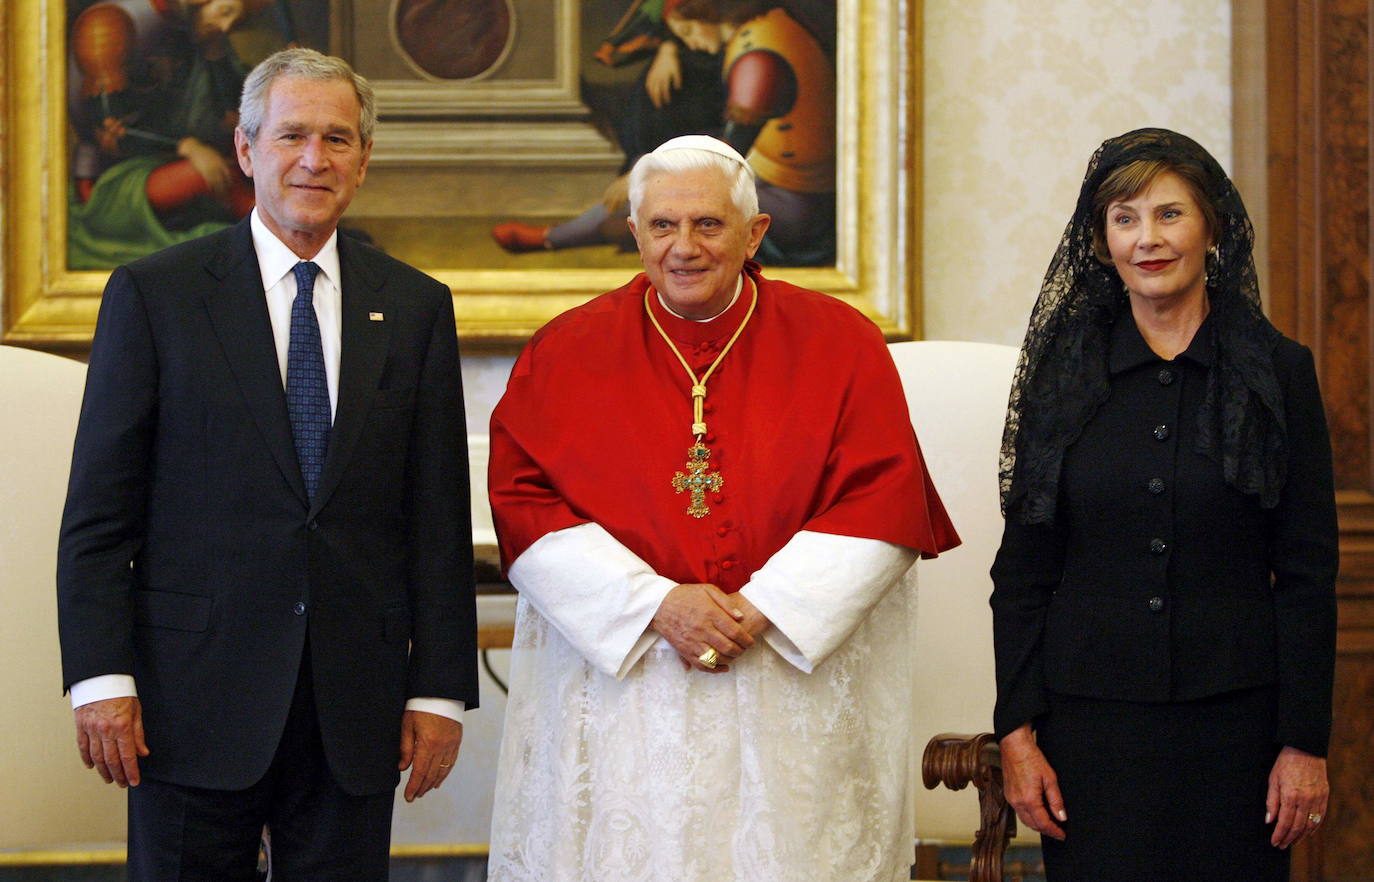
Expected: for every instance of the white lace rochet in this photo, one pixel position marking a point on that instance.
(761, 774)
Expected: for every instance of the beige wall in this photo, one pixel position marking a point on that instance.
(1018, 94)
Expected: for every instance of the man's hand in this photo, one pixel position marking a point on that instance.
(696, 617)
(1030, 785)
(109, 734)
(753, 621)
(1298, 792)
(109, 134)
(430, 743)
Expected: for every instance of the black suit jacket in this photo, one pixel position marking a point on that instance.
(1161, 582)
(189, 556)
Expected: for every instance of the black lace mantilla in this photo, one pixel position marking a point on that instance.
(1061, 378)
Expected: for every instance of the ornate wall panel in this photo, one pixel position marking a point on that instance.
(1319, 140)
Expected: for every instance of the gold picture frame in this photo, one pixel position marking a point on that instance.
(878, 194)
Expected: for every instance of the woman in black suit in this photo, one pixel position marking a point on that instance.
(1163, 602)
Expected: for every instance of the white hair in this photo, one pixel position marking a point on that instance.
(682, 159)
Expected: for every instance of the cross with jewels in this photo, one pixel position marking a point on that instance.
(697, 480)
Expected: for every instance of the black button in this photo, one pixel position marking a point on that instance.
(1155, 485)
(299, 608)
(1158, 546)
(1156, 604)
(314, 525)
(1161, 432)
(1165, 376)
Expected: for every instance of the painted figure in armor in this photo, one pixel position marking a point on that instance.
(778, 78)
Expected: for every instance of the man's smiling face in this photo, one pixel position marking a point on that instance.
(693, 240)
(307, 160)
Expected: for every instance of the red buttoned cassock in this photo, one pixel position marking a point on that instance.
(807, 426)
(617, 763)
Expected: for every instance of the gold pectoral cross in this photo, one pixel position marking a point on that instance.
(697, 480)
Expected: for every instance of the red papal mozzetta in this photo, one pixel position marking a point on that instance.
(807, 426)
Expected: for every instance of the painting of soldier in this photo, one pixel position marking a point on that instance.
(758, 74)
(153, 92)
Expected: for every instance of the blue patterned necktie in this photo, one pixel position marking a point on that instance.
(307, 390)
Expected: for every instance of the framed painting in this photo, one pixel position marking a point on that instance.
(525, 131)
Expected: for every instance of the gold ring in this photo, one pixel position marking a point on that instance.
(710, 658)
(1314, 818)
(445, 765)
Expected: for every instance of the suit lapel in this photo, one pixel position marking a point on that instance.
(238, 312)
(361, 361)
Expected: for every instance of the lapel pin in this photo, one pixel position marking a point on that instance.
(375, 317)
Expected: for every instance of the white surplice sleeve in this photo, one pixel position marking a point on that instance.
(598, 594)
(819, 587)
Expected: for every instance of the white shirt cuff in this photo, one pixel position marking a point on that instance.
(101, 688)
(598, 594)
(819, 587)
(442, 707)
(122, 686)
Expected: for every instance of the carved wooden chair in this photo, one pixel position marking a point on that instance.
(957, 761)
(957, 395)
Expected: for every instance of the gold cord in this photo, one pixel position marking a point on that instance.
(699, 386)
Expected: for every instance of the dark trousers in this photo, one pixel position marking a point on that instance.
(318, 832)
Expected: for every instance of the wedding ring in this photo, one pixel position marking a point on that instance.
(445, 765)
(1314, 818)
(710, 658)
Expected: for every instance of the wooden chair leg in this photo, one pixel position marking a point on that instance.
(927, 862)
(958, 760)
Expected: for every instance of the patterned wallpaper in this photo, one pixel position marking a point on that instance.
(1018, 94)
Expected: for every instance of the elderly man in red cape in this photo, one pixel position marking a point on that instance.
(710, 498)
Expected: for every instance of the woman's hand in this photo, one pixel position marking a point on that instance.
(1298, 792)
(1030, 785)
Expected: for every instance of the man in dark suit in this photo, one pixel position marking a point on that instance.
(265, 561)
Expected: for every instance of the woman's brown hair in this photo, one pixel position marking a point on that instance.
(1129, 180)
